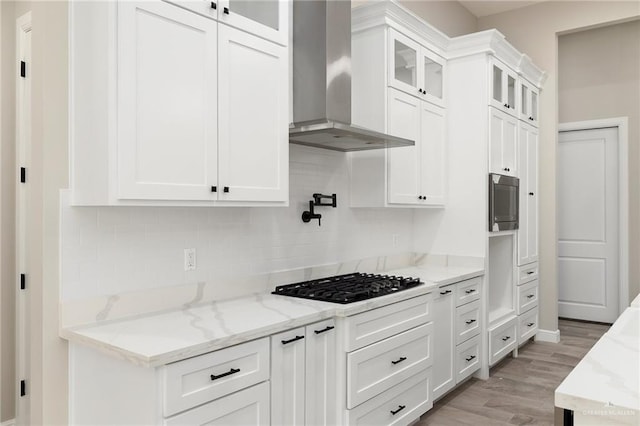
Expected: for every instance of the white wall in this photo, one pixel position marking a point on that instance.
(108, 250)
(599, 77)
(533, 29)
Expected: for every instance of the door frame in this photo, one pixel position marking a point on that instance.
(622, 124)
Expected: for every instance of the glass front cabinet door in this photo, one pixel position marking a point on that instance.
(503, 87)
(414, 69)
(268, 19)
(528, 102)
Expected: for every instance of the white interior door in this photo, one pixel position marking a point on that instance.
(588, 268)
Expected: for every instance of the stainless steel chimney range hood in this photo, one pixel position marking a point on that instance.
(322, 81)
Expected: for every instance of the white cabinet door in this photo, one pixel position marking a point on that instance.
(443, 333)
(268, 19)
(288, 377)
(321, 385)
(433, 72)
(253, 112)
(404, 63)
(246, 407)
(503, 83)
(432, 154)
(167, 118)
(528, 170)
(502, 144)
(528, 103)
(404, 163)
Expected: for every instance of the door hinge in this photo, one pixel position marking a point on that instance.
(23, 174)
(23, 281)
(23, 387)
(23, 69)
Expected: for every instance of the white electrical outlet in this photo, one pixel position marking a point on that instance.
(189, 259)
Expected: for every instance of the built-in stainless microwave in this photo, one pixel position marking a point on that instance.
(503, 202)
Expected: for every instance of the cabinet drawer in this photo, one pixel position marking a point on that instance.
(247, 407)
(467, 321)
(527, 325)
(468, 291)
(527, 273)
(197, 380)
(378, 324)
(467, 359)
(411, 397)
(375, 368)
(527, 296)
(502, 340)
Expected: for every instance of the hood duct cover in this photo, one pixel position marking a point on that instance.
(322, 81)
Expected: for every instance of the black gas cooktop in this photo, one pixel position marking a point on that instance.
(347, 288)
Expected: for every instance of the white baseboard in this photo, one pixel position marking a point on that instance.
(8, 422)
(548, 336)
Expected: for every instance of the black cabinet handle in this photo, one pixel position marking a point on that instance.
(531, 193)
(228, 373)
(471, 321)
(214, 5)
(471, 358)
(529, 296)
(399, 360)
(400, 408)
(419, 197)
(506, 169)
(505, 338)
(226, 10)
(295, 339)
(531, 324)
(327, 328)
(225, 189)
(473, 290)
(530, 272)
(445, 292)
(506, 105)
(214, 189)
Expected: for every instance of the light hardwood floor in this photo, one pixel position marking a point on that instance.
(519, 390)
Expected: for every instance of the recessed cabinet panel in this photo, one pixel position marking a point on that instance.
(433, 77)
(528, 171)
(432, 154)
(503, 91)
(403, 62)
(443, 340)
(502, 145)
(166, 103)
(404, 112)
(528, 102)
(252, 112)
(288, 377)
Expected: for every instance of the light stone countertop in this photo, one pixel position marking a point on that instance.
(161, 338)
(604, 387)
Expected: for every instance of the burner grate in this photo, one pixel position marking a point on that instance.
(348, 288)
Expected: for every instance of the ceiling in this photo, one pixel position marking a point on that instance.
(482, 8)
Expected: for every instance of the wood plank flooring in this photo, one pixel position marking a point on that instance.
(520, 390)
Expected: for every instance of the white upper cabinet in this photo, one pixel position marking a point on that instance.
(167, 103)
(528, 102)
(185, 110)
(268, 19)
(503, 133)
(252, 107)
(503, 85)
(415, 69)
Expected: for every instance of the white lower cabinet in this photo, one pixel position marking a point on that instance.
(502, 340)
(527, 325)
(247, 407)
(457, 325)
(303, 376)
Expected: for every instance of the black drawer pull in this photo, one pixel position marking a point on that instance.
(531, 324)
(445, 292)
(400, 408)
(214, 189)
(531, 272)
(327, 328)
(505, 338)
(295, 339)
(225, 189)
(226, 10)
(228, 373)
(402, 358)
(472, 357)
(471, 321)
(213, 5)
(529, 296)
(473, 290)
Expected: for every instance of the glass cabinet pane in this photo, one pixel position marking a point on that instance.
(523, 99)
(433, 78)
(405, 63)
(534, 105)
(265, 12)
(497, 84)
(511, 92)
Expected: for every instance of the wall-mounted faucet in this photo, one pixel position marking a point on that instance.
(317, 201)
